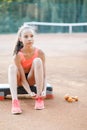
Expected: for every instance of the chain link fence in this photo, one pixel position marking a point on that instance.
(14, 14)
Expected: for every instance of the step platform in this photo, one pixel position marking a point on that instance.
(5, 90)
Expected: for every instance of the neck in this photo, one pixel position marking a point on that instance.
(28, 49)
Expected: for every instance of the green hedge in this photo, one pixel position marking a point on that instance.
(13, 14)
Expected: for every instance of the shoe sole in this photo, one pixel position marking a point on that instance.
(39, 108)
(16, 113)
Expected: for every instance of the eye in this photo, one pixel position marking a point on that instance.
(31, 35)
(26, 36)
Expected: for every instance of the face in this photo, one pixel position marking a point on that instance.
(27, 37)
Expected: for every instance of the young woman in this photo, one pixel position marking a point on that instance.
(28, 69)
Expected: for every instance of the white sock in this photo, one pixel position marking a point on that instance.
(38, 72)
(12, 79)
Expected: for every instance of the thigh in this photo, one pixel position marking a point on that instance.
(31, 77)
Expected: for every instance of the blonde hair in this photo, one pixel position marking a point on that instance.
(25, 26)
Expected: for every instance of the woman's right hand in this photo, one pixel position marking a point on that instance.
(33, 94)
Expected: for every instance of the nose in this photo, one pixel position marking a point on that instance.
(29, 39)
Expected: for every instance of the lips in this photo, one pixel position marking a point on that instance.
(29, 42)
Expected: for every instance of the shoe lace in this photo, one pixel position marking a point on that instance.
(39, 99)
(16, 103)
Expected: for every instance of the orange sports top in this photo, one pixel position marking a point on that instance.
(27, 63)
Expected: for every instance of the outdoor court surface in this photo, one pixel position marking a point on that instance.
(66, 63)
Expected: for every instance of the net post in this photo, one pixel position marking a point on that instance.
(70, 29)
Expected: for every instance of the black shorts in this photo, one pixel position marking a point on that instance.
(26, 74)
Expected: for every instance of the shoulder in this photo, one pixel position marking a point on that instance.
(16, 57)
(41, 54)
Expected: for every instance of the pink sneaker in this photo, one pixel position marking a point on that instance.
(16, 107)
(39, 103)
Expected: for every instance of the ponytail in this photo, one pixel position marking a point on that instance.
(18, 47)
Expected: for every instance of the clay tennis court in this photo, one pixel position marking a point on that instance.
(66, 62)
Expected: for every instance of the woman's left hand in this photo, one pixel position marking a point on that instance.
(32, 94)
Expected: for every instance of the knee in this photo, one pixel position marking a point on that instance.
(12, 68)
(37, 62)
